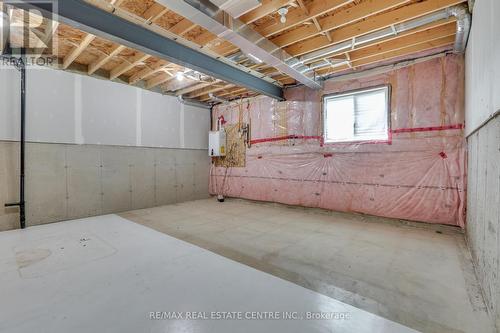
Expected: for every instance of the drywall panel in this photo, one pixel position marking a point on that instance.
(50, 105)
(483, 64)
(196, 125)
(160, 116)
(10, 103)
(109, 112)
(65, 107)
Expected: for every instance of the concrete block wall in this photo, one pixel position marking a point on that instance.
(483, 142)
(67, 181)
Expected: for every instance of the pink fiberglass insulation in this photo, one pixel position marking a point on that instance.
(418, 174)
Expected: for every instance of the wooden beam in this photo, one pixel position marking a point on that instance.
(117, 3)
(393, 53)
(231, 92)
(266, 8)
(50, 31)
(303, 7)
(102, 60)
(194, 87)
(127, 65)
(405, 41)
(370, 24)
(208, 90)
(340, 19)
(160, 79)
(450, 21)
(154, 12)
(204, 38)
(73, 54)
(397, 52)
(182, 27)
(148, 71)
(298, 16)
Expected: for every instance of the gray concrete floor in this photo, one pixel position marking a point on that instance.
(418, 275)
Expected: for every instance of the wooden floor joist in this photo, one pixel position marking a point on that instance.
(68, 60)
(393, 53)
(425, 31)
(370, 24)
(340, 19)
(148, 71)
(160, 79)
(267, 7)
(297, 16)
(128, 65)
(102, 60)
(210, 89)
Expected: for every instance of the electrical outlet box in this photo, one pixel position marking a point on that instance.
(217, 143)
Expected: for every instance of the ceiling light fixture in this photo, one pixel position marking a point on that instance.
(179, 76)
(283, 11)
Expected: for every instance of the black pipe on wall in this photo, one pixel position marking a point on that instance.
(20, 64)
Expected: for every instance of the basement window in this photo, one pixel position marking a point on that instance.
(361, 115)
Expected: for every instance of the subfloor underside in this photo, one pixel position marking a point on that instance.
(418, 275)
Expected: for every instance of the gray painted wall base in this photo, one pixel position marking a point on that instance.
(483, 211)
(65, 181)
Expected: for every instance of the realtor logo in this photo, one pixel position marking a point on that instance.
(24, 29)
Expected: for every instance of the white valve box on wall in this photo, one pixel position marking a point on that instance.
(217, 143)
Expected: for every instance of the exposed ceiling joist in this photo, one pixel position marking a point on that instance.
(209, 90)
(68, 60)
(295, 17)
(242, 36)
(117, 3)
(182, 27)
(370, 24)
(148, 71)
(391, 51)
(372, 46)
(266, 8)
(154, 12)
(103, 59)
(128, 65)
(160, 79)
(340, 19)
(194, 87)
(108, 26)
(405, 41)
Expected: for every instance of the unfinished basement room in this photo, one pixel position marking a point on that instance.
(250, 166)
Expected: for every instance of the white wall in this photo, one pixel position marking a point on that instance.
(483, 190)
(64, 107)
(483, 64)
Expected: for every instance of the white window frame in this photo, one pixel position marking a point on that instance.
(326, 98)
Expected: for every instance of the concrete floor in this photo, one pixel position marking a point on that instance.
(418, 275)
(107, 274)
